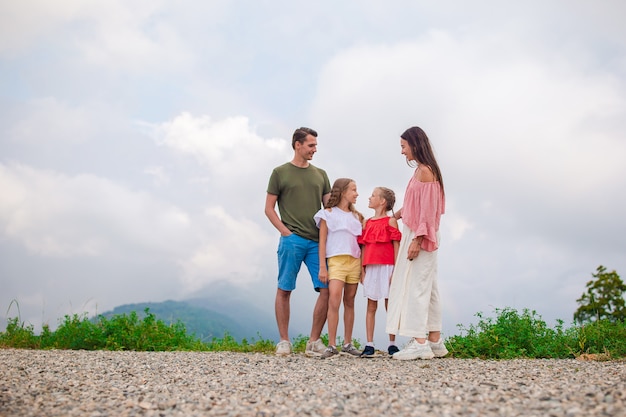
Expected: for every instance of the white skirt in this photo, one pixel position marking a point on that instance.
(376, 281)
(414, 307)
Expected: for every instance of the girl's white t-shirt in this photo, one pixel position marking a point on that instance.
(343, 229)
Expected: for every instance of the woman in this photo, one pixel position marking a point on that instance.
(414, 308)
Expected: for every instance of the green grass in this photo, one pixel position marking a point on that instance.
(510, 334)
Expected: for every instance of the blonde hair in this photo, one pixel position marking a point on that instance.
(389, 196)
(339, 187)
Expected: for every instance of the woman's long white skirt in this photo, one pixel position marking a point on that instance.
(414, 306)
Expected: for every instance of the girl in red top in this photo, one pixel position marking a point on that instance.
(380, 241)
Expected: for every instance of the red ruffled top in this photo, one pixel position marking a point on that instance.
(377, 238)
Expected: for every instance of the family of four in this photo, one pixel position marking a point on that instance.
(320, 227)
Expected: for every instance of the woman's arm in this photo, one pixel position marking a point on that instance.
(414, 247)
(396, 243)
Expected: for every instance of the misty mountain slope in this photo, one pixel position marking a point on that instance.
(201, 317)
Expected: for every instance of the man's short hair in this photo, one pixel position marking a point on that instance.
(300, 135)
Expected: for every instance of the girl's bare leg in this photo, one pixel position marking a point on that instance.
(349, 293)
(335, 290)
(392, 337)
(370, 319)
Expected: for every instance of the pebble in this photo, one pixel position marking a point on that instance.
(103, 383)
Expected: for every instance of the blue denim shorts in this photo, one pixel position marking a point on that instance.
(292, 251)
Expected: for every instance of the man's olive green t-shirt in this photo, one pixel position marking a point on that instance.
(299, 192)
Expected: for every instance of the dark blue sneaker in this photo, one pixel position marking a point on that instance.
(393, 349)
(368, 352)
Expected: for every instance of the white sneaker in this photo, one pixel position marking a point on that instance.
(315, 349)
(438, 348)
(414, 350)
(283, 348)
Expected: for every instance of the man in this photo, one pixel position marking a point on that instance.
(300, 189)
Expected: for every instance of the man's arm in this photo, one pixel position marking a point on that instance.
(270, 212)
(325, 199)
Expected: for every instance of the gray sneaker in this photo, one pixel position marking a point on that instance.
(350, 350)
(439, 349)
(329, 352)
(315, 349)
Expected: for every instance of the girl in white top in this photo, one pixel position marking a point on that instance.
(340, 225)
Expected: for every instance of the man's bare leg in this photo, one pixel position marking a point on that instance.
(282, 308)
(319, 314)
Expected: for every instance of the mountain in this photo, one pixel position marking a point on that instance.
(200, 318)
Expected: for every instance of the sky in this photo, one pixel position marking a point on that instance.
(137, 139)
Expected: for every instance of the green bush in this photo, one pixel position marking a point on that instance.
(228, 343)
(602, 336)
(121, 332)
(127, 332)
(509, 335)
(17, 335)
(514, 335)
(76, 332)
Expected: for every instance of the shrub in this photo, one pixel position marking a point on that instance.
(17, 335)
(127, 332)
(509, 335)
(514, 335)
(228, 343)
(77, 332)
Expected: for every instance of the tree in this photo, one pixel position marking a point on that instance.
(604, 298)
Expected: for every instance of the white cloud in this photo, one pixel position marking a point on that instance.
(24, 22)
(124, 40)
(45, 120)
(232, 231)
(158, 174)
(112, 35)
(456, 224)
(228, 149)
(57, 215)
(233, 249)
(54, 215)
(522, 126)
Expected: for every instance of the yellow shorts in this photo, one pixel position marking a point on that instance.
(344, 268)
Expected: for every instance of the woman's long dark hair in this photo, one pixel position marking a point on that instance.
(422, 151)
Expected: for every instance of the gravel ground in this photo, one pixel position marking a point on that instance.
(102, 383)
